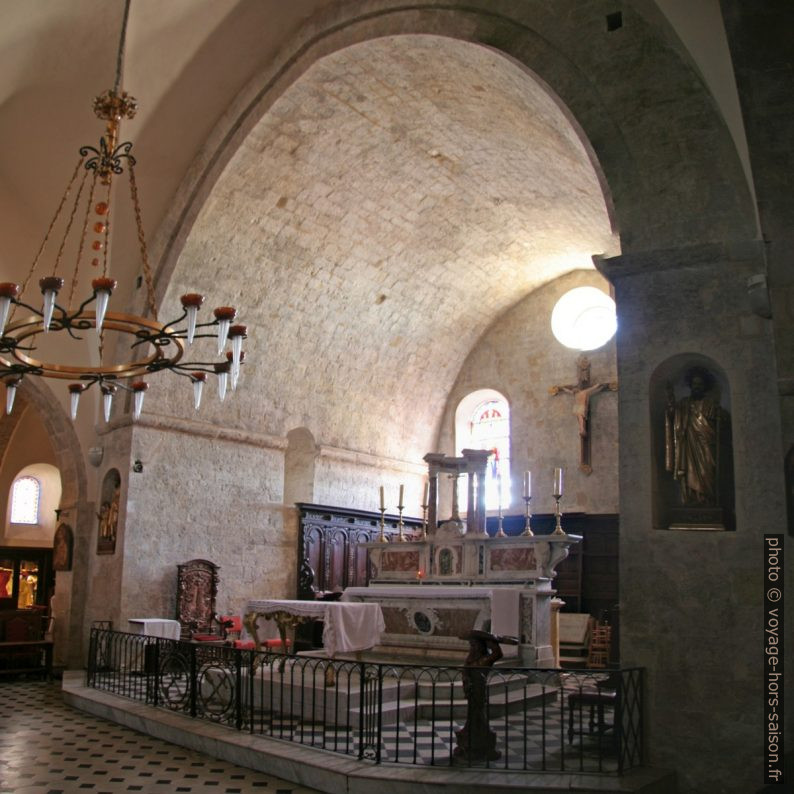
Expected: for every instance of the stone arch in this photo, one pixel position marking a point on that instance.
(667, 512)
(48, 479)
(70, 590)
(671, 167)
(299, 462)
(65, 444)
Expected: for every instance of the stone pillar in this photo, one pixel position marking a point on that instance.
(476, 462)
(433, 460)
(556, 605)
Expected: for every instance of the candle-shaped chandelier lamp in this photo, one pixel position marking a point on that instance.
(86, 213)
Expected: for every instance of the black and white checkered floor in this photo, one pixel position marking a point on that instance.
(47, 747)
(530, 741)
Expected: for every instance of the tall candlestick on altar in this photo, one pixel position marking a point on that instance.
(424, 510)
(382, 537)
(558, 530)
(527, 518)
(527, 484)
(500, 532)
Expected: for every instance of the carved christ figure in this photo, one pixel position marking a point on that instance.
(582, 391)
(692, 431)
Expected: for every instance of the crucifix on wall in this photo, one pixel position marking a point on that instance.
(582, 391)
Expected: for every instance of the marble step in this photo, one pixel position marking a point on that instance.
(310, 698)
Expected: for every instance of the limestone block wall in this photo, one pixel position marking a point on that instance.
(691, 602)
(520, 357)
(348, 479)
(104, 572)
(212, 498)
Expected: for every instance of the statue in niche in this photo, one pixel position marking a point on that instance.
(108, 515)
(62, 548)
(694, 427)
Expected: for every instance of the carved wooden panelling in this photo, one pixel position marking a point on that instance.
(330, 557)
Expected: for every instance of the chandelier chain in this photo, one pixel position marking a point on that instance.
(69, 223)
(52, 224)
(147, 271)
(108, 182)
(81, 245)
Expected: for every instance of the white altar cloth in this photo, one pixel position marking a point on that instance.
(505, 601)
(156, 627)
(346, 626)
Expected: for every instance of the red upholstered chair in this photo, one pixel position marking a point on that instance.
(236, 628)
(219, 637)
(231, 626)
(248, 645)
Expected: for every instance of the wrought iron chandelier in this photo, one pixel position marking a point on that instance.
(153, 346)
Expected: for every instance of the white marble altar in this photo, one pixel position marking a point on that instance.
(433, 617)
(435, 589)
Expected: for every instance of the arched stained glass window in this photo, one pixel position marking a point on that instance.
(483, 422)
(25, 494)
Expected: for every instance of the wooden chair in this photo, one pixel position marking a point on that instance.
(605, 696)
(23, 648)
(575, 630)
(196, 590)
(600, 646)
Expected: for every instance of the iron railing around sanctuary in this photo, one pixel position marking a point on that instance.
(500, 718)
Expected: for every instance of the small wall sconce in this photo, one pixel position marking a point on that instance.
(95, 455)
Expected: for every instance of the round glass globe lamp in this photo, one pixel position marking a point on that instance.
(584, 318)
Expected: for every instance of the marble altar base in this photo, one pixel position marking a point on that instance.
(435, 590)
(426, 622)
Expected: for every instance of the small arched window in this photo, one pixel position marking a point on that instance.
(483, 422)
(25, 496)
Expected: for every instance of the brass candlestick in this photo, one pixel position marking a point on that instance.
(500, 532)
(424, 521)
(382, 538)
(527, 518)
(400, 537)
(558, 530)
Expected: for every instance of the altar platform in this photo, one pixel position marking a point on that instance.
(316, 764)
(406, 696)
